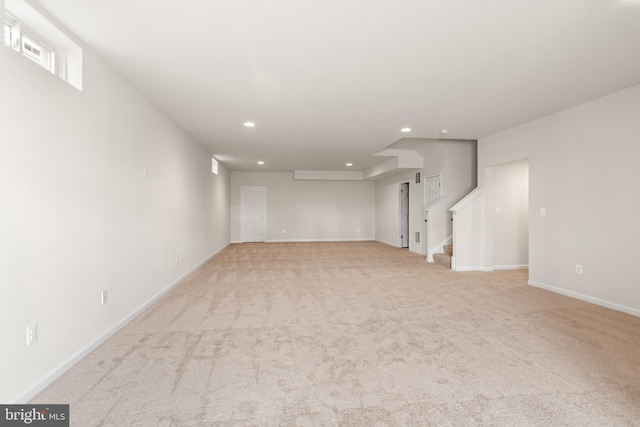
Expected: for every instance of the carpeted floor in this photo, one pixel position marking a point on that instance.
(358, 334)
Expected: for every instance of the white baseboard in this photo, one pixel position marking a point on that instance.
(440, 248)
(493, 268)
(318, 240)
(57, 372)
(511, 267)
(392, 244)
(587, 298)
(485, 269)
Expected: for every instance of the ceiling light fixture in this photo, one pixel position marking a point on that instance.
(405, 130)
(444, 131)
(349, 164)
(261, 162)
(249, 124)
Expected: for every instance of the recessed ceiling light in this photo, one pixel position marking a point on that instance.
(405, 130)
(249, 124)
(261, 162)
(349, 164)
(444, 131)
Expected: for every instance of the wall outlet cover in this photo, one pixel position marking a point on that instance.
(32, 334)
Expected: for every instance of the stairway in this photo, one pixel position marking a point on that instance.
(445, 258)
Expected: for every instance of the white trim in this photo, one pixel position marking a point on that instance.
(242, 188)
(466, 199)
(64, 367)
(399, 219)
(416, 252)
(511, 267)
(322, 240)
(587, 298)
(440, 248)
(386, 243)
(485, 269)
(424, 193)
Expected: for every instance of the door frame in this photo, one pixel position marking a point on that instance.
(400, 219)
(425, 223)
(254, 187)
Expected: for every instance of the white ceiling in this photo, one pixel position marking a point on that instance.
(332, 81)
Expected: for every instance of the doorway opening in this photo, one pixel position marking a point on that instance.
(403, 215)
(508, 215)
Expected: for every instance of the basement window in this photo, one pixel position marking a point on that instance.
(7, 33)
(28, 32)
(214, 165)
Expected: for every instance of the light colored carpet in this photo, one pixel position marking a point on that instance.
(358, 334)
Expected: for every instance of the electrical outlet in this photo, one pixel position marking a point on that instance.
(358, 230)
(177, 260)
(498, 210)
(578, 269)
(145, 171)
(104, 296)
(32, 334)
(284, 231)
(543, 211)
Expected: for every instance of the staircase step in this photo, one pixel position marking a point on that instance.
(442, 259)
(448, 249)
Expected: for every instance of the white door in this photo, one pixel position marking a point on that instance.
(253, 206)
(404, 215)
(432, 192)
(432, 189)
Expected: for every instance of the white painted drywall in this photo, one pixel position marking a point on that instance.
(583, 169)
(456, 161)
(468, 232)
(510, 227)
(308, 210)
(78, 216)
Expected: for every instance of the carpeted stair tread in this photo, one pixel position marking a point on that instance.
(445, 258)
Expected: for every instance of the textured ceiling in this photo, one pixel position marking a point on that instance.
(330, 82)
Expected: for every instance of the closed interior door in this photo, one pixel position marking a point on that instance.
(432, 192)
(432, 189)
(254, 223)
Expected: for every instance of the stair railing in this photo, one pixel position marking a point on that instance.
(468, 235)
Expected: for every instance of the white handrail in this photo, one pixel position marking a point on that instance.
(476, 192)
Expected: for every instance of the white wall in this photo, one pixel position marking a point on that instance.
(455, 161)
(583, 168)
(308, 210)
(77, 216)
(509, 234)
